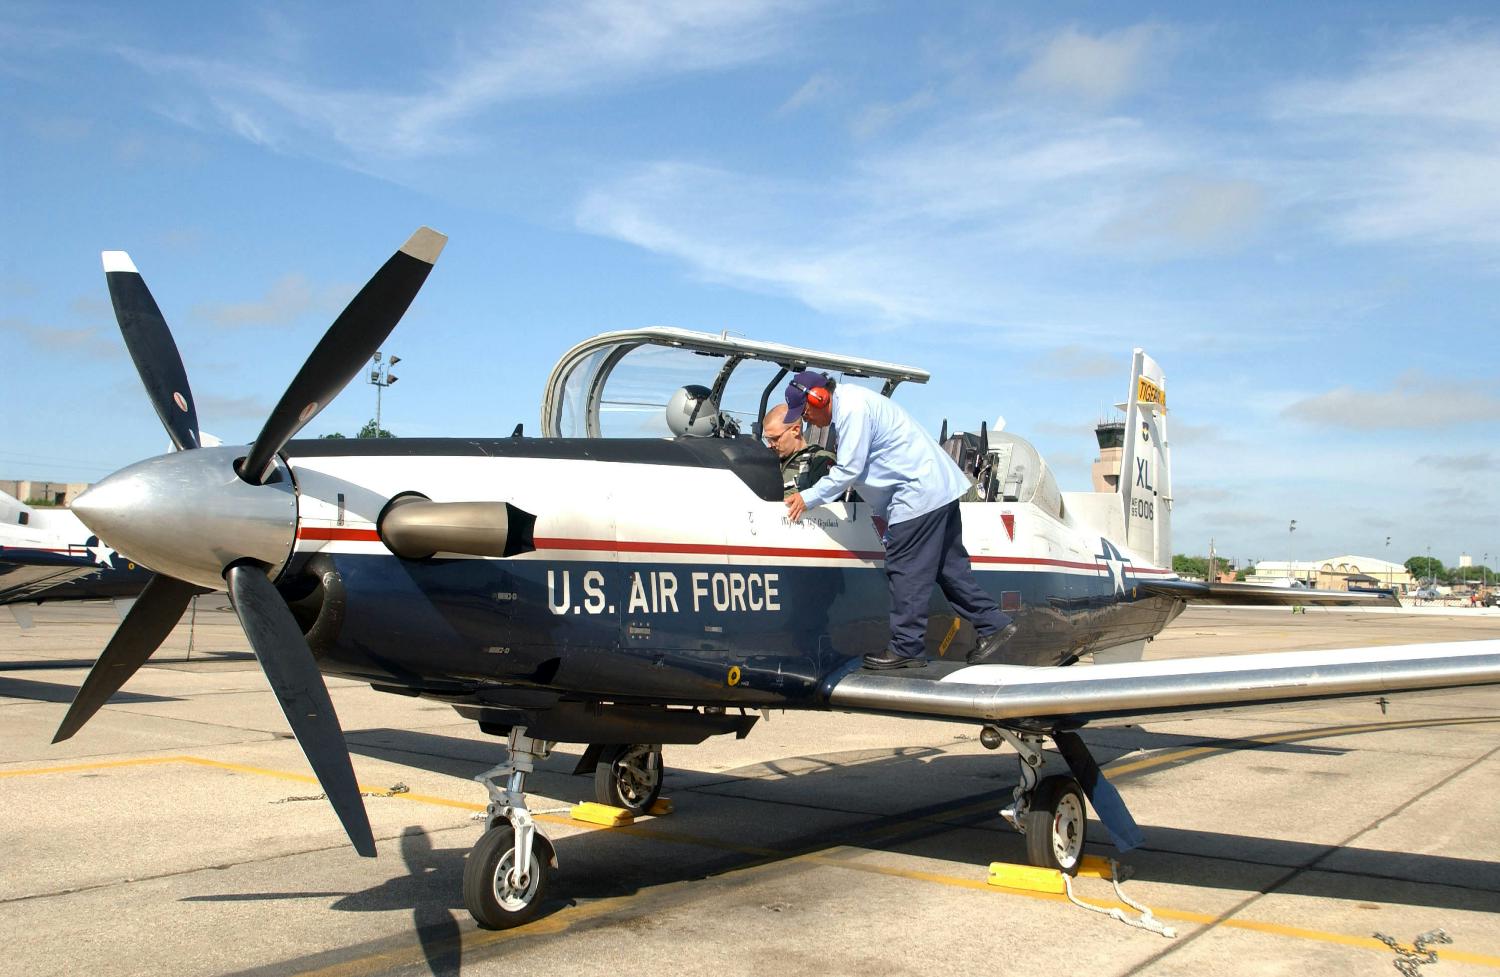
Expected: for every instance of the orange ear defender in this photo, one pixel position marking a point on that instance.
(818, 397)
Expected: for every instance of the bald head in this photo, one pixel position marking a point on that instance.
(784, 438)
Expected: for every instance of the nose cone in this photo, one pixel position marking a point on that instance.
(189, 515)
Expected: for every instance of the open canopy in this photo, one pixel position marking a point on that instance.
(617, 384)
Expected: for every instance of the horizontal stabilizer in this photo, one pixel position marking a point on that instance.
(1080, 693)
(1195, 592)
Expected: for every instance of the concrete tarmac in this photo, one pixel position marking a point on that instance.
(180, 832)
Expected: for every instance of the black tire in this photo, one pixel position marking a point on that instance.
(486, 894)
(1057, 825)
(628, 777)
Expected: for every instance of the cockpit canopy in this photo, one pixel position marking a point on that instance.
(620, 384)
(1023, 475)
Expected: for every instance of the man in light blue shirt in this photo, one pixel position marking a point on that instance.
(915, 487)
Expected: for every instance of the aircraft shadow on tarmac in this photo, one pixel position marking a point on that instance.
(24, 688)
(953, 820)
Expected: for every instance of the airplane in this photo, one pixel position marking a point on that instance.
(628, 593)
(47, 554)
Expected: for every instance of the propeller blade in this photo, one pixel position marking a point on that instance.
(152, 348)
(289, 665)
(343, 351)
(150, 620)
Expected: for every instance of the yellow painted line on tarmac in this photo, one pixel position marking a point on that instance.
(831, 858)
(844, 857)
(99, 765)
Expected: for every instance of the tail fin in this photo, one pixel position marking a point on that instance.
(1146, 468)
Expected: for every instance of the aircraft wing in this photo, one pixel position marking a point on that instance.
(23, 576)
(1195, 592)
(1072, 695)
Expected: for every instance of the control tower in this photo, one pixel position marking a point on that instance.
(1106, 471)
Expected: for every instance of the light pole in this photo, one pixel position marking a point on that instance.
(382, 377)
(1388, 572)
(1292, 549)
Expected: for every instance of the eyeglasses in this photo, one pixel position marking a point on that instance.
(771, 439)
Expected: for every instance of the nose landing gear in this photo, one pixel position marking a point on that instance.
(506, 875)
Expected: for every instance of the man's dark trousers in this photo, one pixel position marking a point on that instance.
(926, 550)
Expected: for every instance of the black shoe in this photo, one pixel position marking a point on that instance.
(992, 643)
(889, 659)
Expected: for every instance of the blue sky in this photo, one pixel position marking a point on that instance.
(1294, 207)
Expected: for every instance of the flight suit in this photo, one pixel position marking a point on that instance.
(799, 471)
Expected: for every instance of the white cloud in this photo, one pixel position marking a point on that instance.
(286, 300)
(1076, 362)
(1098, 69)
(812, 91)
(93, 342)
(1417, 400)
(1196, 214)
(531, 52)
(1407, 147)
(1470, 464)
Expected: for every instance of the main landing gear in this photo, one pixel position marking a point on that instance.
(1049, 811)
(629, 777)
(506, 875)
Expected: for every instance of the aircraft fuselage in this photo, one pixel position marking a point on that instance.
(661, 570)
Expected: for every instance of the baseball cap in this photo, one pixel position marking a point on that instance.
(796, 399)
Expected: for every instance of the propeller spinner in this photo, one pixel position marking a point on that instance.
(224, 517)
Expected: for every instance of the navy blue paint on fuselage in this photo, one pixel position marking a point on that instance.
(474, 623)
(35, 575)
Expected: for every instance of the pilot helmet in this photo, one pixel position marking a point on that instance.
(692, 412)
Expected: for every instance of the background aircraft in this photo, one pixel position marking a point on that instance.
(644, 591)
(48, 554)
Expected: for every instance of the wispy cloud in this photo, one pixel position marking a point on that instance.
(90, 341)
(1096, 68)
(287, 299)
(814, 90)
(216, 409)
(1409, 145)
(1076, 362)
(529, 52)
(1470, 464)
(1416, 400)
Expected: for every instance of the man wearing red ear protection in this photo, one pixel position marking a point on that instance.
(915, 487)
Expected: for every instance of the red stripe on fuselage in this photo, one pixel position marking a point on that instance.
(347, 535)
(706, 549)
(714, 549)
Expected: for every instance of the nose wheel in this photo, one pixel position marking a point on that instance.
(629, 776)
(505, 877)
(495, 893)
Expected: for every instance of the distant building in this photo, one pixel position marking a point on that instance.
(1111, 435)
(44, 493)
(1333, 573)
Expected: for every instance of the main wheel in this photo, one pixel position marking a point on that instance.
(495, 900)
(629, 777)
(1056, 825)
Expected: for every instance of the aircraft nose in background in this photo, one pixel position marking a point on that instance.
(188, 515)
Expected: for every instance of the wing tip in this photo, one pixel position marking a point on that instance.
(118, 261)
(425, 245)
